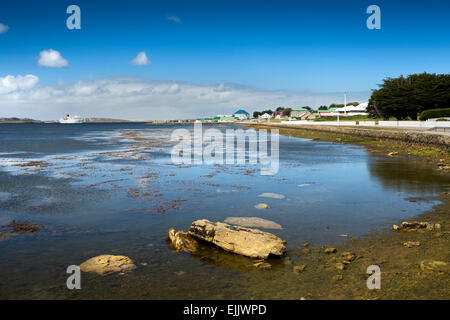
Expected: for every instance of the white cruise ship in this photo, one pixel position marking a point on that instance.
(68, 119)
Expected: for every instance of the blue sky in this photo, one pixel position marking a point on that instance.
(305, 46)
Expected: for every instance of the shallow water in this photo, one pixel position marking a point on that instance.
(113, 189)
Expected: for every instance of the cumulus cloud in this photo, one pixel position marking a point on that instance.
(174, 19)
(141, 59)
(52, 58)
(3, 28)
(11, 83)
(131, 98)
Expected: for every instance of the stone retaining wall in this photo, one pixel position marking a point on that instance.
(436, 140)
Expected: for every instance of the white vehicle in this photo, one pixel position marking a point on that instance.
(68, 119)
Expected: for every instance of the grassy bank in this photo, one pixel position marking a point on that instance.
(414, 264)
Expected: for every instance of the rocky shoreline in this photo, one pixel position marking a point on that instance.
(412, 144)
(411, 136)
(414, 258)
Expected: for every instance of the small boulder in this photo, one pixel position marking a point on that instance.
(106, 263)
(411, 244)
(349, 256)
(330, 250)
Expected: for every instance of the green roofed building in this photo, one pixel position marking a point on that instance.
(227, 119)
(299, 112)
(328, 113)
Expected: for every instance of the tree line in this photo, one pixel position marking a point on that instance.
(407, 97)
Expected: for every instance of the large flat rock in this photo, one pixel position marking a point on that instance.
(249, 242)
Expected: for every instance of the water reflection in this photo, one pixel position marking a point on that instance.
(407, 176)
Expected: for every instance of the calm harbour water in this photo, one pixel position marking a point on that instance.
(112, 189)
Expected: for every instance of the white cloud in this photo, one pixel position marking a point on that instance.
(3, 28)
(11, 83)
(174, 19)
(141, 59)
(131, 98)
(52, 58)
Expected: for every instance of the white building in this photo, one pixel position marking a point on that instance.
(265, 116)
(360, 109)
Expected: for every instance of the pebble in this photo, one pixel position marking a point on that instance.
(299, 269)
(340, 266)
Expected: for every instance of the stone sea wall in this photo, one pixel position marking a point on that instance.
(408, 136)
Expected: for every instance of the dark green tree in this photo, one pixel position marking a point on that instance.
(287, 111)
(406, 97)
(256, 114)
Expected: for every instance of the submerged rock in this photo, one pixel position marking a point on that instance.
(288, 261)
(106, 263)
(271, 195)
(306, 184)
(253, 222)
(261, 206)
(181, 241)
(299, 269)
(252, 243)
(5, 196)
(263, 265)
(434, 265)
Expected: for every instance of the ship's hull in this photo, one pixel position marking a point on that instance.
(71, 120)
